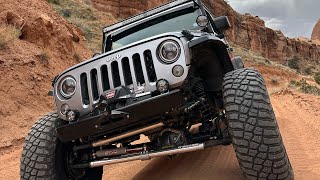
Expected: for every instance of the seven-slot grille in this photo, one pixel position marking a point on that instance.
(133, 71)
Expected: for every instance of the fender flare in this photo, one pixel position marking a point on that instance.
(204, 39)
(219, 46)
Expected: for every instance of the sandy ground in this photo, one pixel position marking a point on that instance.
(47, 33)
(298, 117)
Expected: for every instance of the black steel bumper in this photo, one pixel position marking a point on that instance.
(139, 114)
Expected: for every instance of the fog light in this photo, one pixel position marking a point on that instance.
(64, 109)
(177, 70)
(202, 21)
(71, 116)
(163, 85)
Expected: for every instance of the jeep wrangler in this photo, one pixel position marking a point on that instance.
(167, 74)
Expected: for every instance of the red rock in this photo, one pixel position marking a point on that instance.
(316, 32)
(12, 19)
(251, 33)
(44, 27)
(122, 9)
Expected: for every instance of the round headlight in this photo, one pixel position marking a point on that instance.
(68, 87)
(169, 51)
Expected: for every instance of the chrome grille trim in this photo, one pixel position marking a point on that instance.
(133, 73)
(90, 88)
(110, 76)
(121, 74)
(144, 69)
(100, 85)
(162, 71)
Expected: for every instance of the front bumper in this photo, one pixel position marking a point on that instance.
(139, 114)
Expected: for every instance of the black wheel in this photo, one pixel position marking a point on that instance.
(253, 128)
(45, 157)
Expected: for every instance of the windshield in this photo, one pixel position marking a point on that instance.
(177, 21)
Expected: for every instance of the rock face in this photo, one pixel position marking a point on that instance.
(11, 18)
(316, 32)
(46, 28)
(47, 46)
(122, 9)
(251, 33)
(247, 31)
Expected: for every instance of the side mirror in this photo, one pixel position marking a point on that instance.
(222, 23)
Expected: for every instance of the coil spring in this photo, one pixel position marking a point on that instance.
(199, 91)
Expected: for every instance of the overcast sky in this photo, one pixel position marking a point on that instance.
(293, 17)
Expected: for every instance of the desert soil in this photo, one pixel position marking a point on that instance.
(26, 80)
(298, 117)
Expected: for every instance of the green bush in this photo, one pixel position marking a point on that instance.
(317, 78)
(294, 63)
(66, 13)
(308, 70)
(305, 87)
(57, 2)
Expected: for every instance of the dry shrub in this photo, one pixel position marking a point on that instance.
(308, 70)
(7, 34)
(57, 2)
(274, 81)
(77, 57)
(44, 58)
(305, 87)
(83, 26)
(82, 14)
(317, 78)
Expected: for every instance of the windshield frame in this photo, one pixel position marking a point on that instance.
(173, 22)
(107, 43)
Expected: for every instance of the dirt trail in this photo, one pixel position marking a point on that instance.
(46, 34)
(298, 117)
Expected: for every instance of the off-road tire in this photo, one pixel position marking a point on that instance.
(42, 157)
(253, 128)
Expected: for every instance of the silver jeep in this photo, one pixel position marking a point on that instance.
(169, 74)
